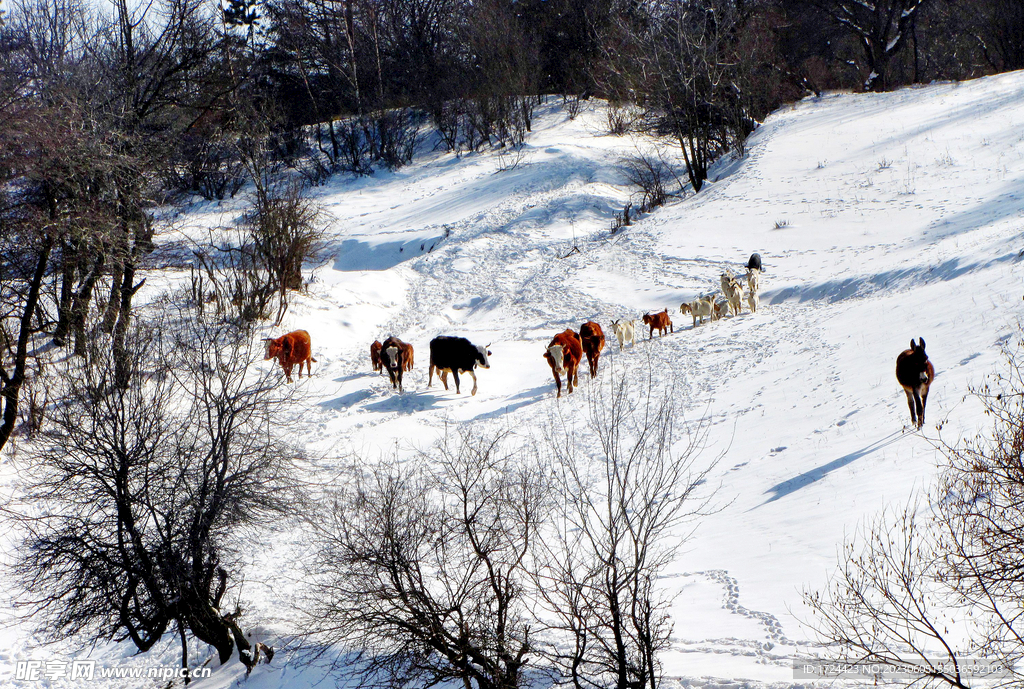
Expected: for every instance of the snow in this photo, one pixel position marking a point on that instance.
(879, 218)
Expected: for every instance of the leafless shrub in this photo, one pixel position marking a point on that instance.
(623, 219)
(649, 172)
(207, 164)
(283, 231)
(573, 104)
(234, 281)
(446, 118)
(137, 505)
(423, 566)
(626, 500)
(622, 118)
(510, 157)
(392, 135)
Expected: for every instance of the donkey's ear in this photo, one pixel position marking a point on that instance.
(913, 345)
(921, 340)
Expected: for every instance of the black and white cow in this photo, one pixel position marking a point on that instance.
(458, 355)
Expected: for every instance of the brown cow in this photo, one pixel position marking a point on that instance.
(393, 358)
(593, 342)
(293, 348)
(564, 354)
(407, 355)
(375, 356)
(660, 322)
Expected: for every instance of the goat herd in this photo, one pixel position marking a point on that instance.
(565, 352)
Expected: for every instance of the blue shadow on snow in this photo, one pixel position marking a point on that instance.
(789, 486)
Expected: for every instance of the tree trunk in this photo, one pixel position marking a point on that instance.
(114, 302)
(184, 651)
(67, 283)
(80, 305)
(12, 383)
(122, 364)
(209, 626)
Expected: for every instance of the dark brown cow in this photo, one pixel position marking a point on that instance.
(915, 373)
(392, 356)
(293, 348)
(658, 321)
(593, 342)
(564, 354)
(407, 356)
(375, 356)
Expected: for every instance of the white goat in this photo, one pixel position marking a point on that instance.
(702, 307)
(625, 331)
(753, 287)
(733, 292)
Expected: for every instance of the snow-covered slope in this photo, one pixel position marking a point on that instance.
(879, 217)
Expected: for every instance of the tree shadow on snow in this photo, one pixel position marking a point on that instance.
(789, 486)
(405, 402)
(525, 398)
(346, 401)
(864, 285)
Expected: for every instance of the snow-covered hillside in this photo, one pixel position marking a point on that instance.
(879, 218)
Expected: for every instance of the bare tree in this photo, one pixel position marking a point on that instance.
(882, 29)
(144, 495)
(982, 515)
(284, 228)
(889, 606)
(627, 502)
(678, 61)
(423, 568)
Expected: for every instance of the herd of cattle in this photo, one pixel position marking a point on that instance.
(457, 355)
(565, 352)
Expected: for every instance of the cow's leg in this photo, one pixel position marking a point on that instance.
(400, 379)
(558, 383)
(287, 372)
(910, 403)
(442, 373)
(430, 374)
(473, 373)
(455, 377)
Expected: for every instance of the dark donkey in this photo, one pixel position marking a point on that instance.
(915, 373)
